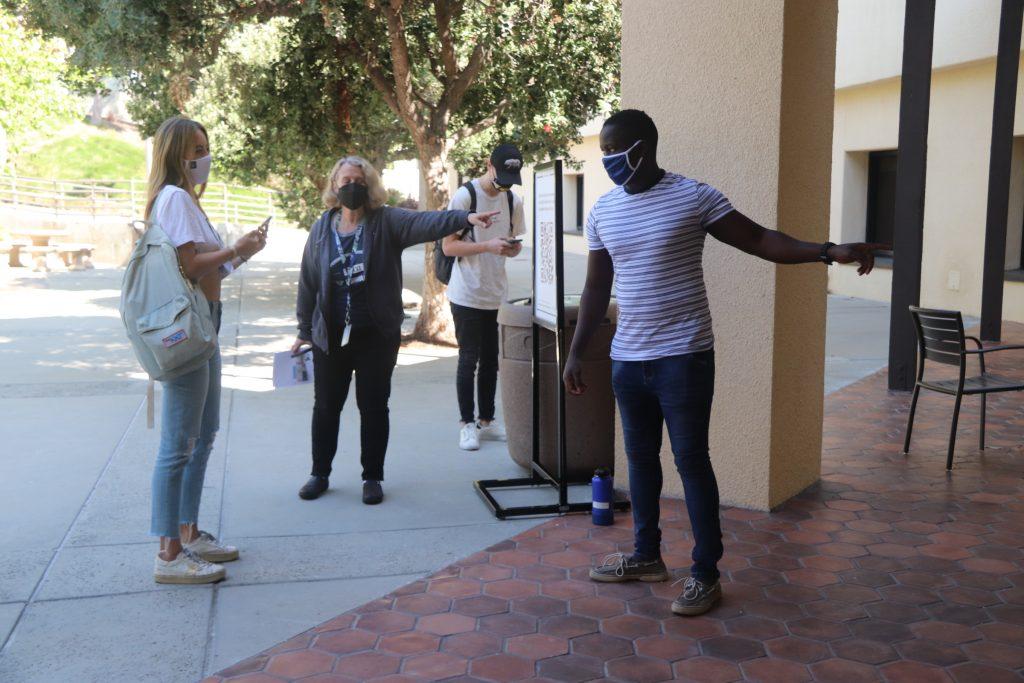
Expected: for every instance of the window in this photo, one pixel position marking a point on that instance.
(580, 210)
(881, 196)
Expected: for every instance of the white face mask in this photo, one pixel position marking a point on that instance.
(200, 169)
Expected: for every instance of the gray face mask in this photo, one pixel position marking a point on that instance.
(199, 169)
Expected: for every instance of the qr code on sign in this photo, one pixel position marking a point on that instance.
(547, 253)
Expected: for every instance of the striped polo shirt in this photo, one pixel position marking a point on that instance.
(656, 241)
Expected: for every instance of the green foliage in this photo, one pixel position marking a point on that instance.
(279, 112)
(396, 198)
(85, 151)
(34, 98)
(559, 65)
(286, 87)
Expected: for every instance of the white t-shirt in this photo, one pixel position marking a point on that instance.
(479, 281)
(181, 218)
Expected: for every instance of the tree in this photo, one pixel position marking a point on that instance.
(34, 95)
(530, 71)
(280, 109)
(455, 75)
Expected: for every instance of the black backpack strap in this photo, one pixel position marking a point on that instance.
(511, 214)
(472, 209)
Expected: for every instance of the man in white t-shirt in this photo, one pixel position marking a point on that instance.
(478, 287)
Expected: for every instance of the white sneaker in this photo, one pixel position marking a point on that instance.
(207, 547)
(188, 568)
(469, 438)
(491, 432)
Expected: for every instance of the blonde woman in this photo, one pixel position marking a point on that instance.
(350, 310)
(191, 403)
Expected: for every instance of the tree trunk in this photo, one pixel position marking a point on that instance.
(435, 323)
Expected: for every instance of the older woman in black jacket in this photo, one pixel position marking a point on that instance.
(350, 310)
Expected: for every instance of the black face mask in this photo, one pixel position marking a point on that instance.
(353, 195)
(498, 186)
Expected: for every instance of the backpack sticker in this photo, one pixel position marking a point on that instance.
(175, 338)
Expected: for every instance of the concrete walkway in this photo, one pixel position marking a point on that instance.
(77, 601)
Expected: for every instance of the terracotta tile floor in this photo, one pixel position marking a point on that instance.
(887, 569)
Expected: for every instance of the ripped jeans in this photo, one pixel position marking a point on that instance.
(190, 418)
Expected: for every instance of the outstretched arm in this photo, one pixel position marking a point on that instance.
(739, 231)
(417, 227)
(597, 293)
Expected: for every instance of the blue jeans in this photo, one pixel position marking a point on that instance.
(190, 418)
(676, 392)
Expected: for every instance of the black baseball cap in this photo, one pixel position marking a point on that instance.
(508, 164)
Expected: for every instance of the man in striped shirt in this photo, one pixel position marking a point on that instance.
(647, 235)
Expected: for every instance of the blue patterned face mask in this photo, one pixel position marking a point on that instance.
(618, 167)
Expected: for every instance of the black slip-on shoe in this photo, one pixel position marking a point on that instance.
(619, 567)
(697, 597)
(313, 488)
(373, 494)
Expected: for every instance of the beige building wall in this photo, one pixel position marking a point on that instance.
(959, 138)
(742, 95)
(869, 43)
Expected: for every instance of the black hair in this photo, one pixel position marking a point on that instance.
(637, 122)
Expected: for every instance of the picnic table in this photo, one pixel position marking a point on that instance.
(13, 250)
(47, 250)
(40, 237)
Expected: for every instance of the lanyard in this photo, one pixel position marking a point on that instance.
(347, 259)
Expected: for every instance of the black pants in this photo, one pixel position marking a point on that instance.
(477, 333)
(371, 356)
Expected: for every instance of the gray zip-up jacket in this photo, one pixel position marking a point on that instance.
(387, 231)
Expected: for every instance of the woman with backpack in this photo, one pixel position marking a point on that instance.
(349, 310)
(191, 402)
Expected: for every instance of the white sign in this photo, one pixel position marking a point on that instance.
(290, 370)
(545, 240)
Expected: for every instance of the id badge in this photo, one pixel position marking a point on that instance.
(345, 334)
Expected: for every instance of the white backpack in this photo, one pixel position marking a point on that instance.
(167, 318)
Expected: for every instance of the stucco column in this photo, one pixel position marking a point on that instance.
(742, 93)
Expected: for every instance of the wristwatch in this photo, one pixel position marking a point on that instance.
(823, 256)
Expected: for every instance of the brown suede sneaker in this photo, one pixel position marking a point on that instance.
(619, 567)
(697, 597)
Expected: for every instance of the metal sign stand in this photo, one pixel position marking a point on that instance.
(539, 475)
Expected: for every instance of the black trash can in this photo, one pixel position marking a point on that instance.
(589, 419)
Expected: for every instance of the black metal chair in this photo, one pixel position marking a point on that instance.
(941, 338)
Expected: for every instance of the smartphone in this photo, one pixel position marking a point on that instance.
(265, 226)
(513, 240)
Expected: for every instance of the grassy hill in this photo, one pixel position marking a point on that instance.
(85, 151)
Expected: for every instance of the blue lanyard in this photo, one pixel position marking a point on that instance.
(346, 269)
(347, 257)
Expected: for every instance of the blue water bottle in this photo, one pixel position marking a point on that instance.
(601, 496)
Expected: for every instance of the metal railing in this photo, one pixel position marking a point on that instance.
(61, 200)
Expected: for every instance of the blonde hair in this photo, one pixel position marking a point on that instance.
(378, 196)
(171, 143)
